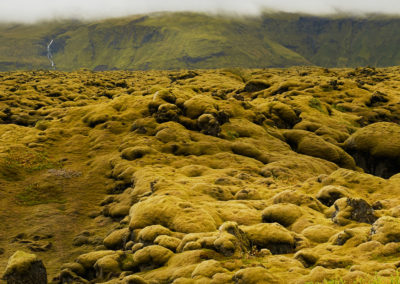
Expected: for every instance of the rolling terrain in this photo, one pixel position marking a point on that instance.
(205, 176)
(188, 40)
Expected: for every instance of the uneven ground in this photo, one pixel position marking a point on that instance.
(217, 176)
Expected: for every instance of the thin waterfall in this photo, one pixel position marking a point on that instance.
(50, 56)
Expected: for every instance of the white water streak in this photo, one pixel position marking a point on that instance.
(50, 56)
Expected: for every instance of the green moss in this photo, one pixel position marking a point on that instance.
(339, 108)
(316, 103)
(232, 135)
(20, 262)
(373, 280)
(28, 160)
(33, 194)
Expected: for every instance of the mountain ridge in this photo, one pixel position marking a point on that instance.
(192, 41)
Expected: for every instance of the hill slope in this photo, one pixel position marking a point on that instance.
(188, 40)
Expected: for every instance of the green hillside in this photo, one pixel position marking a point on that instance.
(189, 40)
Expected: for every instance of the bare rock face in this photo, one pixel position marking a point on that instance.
(25, 268)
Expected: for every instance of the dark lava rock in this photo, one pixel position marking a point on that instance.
(25, 268)
(376, 148)
(256, 86)
(353, 209)
(330, 193)
(209, 124)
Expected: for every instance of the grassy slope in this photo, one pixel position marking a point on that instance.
(187, 40)
(173, 42)
(340, 41)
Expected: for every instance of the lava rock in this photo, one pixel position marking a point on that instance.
(283, 213)
(208, 124)
(25, 268)
(376, 148)
(273, 236)
(330, 193)
(386, 230)
(349, 209)
(256, 86)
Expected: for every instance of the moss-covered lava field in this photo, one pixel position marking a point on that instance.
(204, 176)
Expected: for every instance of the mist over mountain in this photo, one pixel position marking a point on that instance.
(29, 11)
(195, 40)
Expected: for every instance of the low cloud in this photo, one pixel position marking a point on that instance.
(35, 10)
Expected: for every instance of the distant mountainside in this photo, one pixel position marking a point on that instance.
(189, 40)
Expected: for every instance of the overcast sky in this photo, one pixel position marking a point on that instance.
(33, 10)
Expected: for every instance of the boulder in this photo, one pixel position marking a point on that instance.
(330, 193)
(255, 275)
(151, 257)
(386, 230)
(173, 213)
(249, 150)
(68, 276)
(319, 233)
(134, 279)
(208, 124)
(197, 105)
(231, 241)
(117, 239)
(167, 112)
(248, 194)
(168, 242)
(108, 266)
(335, 261)
(256, 86)
(283, 213)
(208, 269)
(307, 257)
(376, 148)
(283, 115)
(352, 236)
(299, 199)
(25, 268)
(272, 236)
(320, 274)
(349, 209)
(310, 144)
(150, 233)
(133, 153)
(87, 260)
